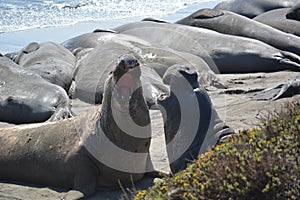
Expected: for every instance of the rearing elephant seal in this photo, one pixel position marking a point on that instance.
(75, 153)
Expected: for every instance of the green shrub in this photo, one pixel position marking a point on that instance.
(261, 163)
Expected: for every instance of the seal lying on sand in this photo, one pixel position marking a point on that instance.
(51, 61)
(277, 19)
(233, 24)
(190, 130)
(157, 57)
(27, 98)
(231, 54)
(96, 63)
(254, 7)
(85, 153)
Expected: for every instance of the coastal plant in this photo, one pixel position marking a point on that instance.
(261, 163)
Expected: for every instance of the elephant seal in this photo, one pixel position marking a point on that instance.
(91, 40)
(223, 53)
(27, 98)
(96, 63)
(51, 61)
(280, 91)
(233, 24)
(277, 19)
(187, 137)
(157, 57)
(254, 7)
(75, 154)
(294, 13)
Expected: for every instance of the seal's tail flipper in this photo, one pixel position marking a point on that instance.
(280, 91)
(289, 61)
(63, 112)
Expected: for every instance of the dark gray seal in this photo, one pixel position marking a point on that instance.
(280, 91)
(189, 117)
(294, 13)
(97, 62)
(230, 23)
(69, 154)
(226, 53)
(51, 61)
(277, 19)
(254, 7)
(27, 98)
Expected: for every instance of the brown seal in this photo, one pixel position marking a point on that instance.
(74, 154)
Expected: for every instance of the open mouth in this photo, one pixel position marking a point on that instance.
(124, 87)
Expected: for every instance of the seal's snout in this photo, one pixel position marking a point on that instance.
(127, 76)
(127, 62)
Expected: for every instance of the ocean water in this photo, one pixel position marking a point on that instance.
(19, 15)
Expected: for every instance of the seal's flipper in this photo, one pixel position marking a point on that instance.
(150, 19)
(103, 30)
(294, 13)
(62, 112)
(33, 46)
(288, 60)
(207, 14)
(281, 91)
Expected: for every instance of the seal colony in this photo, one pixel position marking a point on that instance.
(130, 70)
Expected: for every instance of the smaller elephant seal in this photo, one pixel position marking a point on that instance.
(233, 24)
(254, 7)
(51, 61)
(280, 91)
(192, 125)
(27, 98)
(89, 152)
(223, 53)
(277, 19)
(294, 13)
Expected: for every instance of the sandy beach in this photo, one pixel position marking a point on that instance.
(233, 104)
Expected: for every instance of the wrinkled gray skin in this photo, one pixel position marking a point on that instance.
(188, 106)
(231, 54)
(280, 91)
(277, 19)
(27, 98)
(254, 7)
(233, 24)
(51, 61)
(96, 64)
(294, 13)
(157, 57)
(63, 154)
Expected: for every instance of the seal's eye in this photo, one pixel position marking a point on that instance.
(122, 65)
(132, 63)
